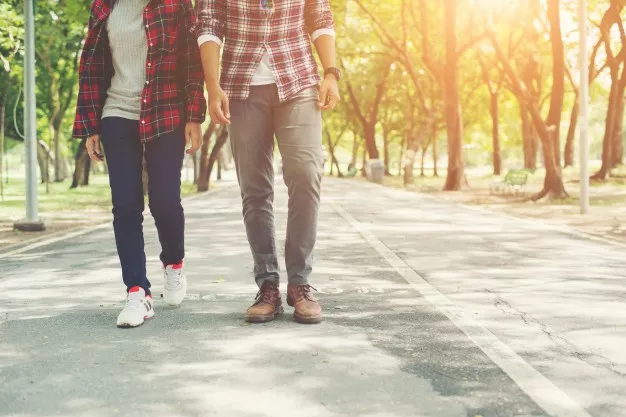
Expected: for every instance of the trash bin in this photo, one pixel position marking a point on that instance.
(375, 170)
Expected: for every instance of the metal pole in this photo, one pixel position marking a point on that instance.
(584, 111)
(32, 222)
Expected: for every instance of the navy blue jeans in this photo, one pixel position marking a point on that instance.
(124, 152)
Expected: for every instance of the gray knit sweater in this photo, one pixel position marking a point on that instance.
(129, 50)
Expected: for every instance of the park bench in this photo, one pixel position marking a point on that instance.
(514, 181)
(351, 172)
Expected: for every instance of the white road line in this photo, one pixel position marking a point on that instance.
(541, 390)
(58, 238)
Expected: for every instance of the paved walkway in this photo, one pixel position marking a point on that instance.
(432, 309)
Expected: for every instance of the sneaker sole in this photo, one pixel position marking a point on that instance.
(265, 319)
(130, 326)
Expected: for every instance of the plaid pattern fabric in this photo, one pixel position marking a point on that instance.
(248, 29)
(174, 90)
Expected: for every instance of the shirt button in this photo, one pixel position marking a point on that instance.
(145, 101)
(146, 26)
(147, 82)
(143, 122)
(151, 44)
(149, 64)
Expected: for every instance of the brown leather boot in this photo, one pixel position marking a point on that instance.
(267, 304)
(307, 308)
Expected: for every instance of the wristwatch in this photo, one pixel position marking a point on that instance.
(334, 71)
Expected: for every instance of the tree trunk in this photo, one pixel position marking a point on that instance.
(497, 158)
(58, 158)
(355, 150)
(553, 183)
(415, 143)
(529, 140)
(333, 159)
(369, 134)
(3, 103)
(364, 159)
(205, 181)
(219, 165)
(548, 131)
(386, 153)
(558, 79)
(456, 170)
(558, 83)
(408, 159)
(409, 166)
(435, 155)
(401, 155)
(568, 154)
(44, 156)
(82, 166)
(203, 175)
(607, 142)
(618, 147)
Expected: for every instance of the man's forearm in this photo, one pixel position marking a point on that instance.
(325, 46)
(210, 53)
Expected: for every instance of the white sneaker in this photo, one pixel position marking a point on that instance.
(138, 308)
(175, 286)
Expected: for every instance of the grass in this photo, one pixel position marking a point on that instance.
(59, 198)
(606, 193)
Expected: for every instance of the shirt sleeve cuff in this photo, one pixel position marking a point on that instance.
(320, 32)
(209, 38)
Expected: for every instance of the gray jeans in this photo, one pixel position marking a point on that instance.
(297, 124)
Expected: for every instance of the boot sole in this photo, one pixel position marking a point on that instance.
(265, 319)
(307, 320)
(301, 319)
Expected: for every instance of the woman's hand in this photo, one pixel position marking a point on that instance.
(93, 148)
(193, 137)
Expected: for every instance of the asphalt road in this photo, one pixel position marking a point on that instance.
(432, 309)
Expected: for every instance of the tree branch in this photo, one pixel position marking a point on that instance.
(471, 43)
(380, 92)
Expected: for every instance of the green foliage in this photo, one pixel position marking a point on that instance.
(371, 33)
(11, 34)
(369, 39)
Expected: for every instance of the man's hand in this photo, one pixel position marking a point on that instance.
(193, 137)
(93, 148)
(218, 106)
(329, 93)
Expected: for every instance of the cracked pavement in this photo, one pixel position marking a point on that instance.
(389, 346)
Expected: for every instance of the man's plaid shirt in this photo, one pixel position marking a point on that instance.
(174, 90)
(248, 30)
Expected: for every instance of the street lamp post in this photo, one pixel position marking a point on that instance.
(584, 110)
(32, 221)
